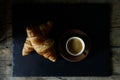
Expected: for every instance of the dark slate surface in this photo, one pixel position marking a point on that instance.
(93, 19)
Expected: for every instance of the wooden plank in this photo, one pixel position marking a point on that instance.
(4, 63)
(28, 78)
(83, 78)
(115, 55)
(115, 17)
(61, 78)
(4, 71)
(116, 69)
(5, 54)
(6, 68)
(115, 77)
(9, 36)
(19, 78)
(115, 37)
(6, 36)
(2, 36)
(9, 78)
(5, 77)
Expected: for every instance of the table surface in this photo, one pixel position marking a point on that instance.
(6, 47)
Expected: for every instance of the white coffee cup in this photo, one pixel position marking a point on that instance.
(75, 46)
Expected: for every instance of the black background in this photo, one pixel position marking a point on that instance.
(93, 19)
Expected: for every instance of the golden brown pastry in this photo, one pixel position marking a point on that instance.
(27, 49)
(37, 39)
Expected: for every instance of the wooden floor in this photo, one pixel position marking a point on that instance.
(6, 47)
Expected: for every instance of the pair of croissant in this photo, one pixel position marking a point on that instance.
(37, 39)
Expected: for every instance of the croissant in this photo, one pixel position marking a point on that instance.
(37, 40)
(27, 49)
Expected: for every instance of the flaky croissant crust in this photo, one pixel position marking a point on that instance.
(37, 40)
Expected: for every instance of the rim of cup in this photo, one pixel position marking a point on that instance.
(83, 46)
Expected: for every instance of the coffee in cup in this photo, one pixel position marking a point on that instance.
(75, 46)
